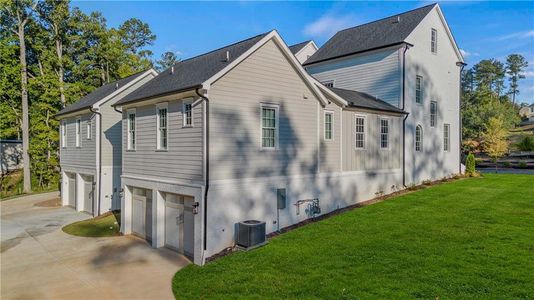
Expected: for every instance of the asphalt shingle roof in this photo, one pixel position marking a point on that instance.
(98, 94)
(363, 100)
(373, 35)
(191, 72)
(297, 47)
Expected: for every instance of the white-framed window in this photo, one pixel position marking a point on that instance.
(88, 128)
(328, 125)
(360, 130)
(187, 113)
(269, 126)
(328, 83)
(131, 129)
(433, 113)
(446, 137)
(419, 89)
(161, 112)
(434, 41)
(64, 134)
(78, 132)
(384, 133)
(418, 138)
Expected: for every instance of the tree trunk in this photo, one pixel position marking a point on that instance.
(61, 71)
(24, 94)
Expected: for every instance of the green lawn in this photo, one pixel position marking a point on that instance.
(104, 225)
(471, 238)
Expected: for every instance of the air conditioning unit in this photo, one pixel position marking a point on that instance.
(250, 233)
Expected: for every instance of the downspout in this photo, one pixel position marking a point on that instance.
(99, 161)
(406, 47)
(461, 65)
(207, 163)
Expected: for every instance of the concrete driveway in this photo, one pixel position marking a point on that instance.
(40, 261)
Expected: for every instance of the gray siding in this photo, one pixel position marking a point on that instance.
(372, 157)
(183, 159)
(375, 73)
(85, 155)
(266, 76)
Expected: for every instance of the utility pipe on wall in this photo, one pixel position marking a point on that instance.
(99, 161)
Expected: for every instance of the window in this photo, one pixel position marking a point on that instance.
(419, 89)
(88, 128)
(162, 126)
(328, 125)
(78, 131)
(64, 134)
(384, 133)
(418, 138)
(434, 41)
(328, 83)
(446, 137)
(269, 126)
(433, 113)
(360, 132)
(131, 130)
(187, 108)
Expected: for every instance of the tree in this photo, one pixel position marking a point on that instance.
(167, 60)
(136, 35)
(488, 75)
(515, 65)
(19, 13)
(495, 143)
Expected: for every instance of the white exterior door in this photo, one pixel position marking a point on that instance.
(88, 194)
(174, 220)
(72, 189)
(138, 214)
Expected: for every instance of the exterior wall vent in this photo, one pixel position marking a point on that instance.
(250, 233)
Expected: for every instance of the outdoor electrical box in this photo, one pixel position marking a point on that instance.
(281, 197)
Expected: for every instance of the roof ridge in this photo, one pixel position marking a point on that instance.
(304, 42)
(382, 19)
(135, 74)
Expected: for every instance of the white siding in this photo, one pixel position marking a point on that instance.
(375, 73)
(330, 149)
(306, 52)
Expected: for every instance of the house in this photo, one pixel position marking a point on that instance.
(304, 50)
(218, 138)
(411, 61)
(527, 112)
(91, 145)
(10, 156)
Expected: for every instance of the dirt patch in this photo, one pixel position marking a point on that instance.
(56, 202)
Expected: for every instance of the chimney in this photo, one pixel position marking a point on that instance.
(227, 56)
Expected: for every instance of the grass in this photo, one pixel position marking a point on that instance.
(101, 226)
(472, 238)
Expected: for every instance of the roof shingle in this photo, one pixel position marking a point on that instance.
(363, 100)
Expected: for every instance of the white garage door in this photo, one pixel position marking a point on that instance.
(71, 189)
(179, 223)
(142, 213)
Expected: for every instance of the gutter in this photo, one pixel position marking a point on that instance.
(406, 116)
(461, 65)
(99, 162)
(207, 165)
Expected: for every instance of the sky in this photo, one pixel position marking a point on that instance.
(483, 30)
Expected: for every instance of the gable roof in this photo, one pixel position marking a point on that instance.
(363, 100)
(382, 33)
(297, 47)
(100, 93)
(191, 72)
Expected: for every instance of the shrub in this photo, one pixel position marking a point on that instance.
(506, 164)
(470, 164)
(526, 144)
(522, 164)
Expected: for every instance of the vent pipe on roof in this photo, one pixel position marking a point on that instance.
(116, 85)
(172, 68)
(397, 20)
(227, 56)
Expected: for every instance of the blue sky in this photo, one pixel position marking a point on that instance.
(482, 29)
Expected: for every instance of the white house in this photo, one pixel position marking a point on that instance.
(304, 50)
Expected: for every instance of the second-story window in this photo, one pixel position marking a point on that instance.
(64, 134)
(187, 109)
(433, 113)
(328, 125)
(269, 126)
(384, 133)
(131, 130)
(434, 41)
(78, 132)
(162, 126)
(88, 128)
(360, 132)
(418, 89)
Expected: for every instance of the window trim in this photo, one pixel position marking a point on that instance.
(420, 138)
(333, 82)
(184, 118)
(89, 128)
(129, 145)
(159, 106)
(64, 134)
(447, 138)
(364, 117)
(433, 116)
(276, 107)
(78, 132)
(434, 41)
(328, 112)
(387, 133)
(420, 78)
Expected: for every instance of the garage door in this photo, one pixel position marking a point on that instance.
(142, 213)
(179, 223)
(88, 194)
(71, 189)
